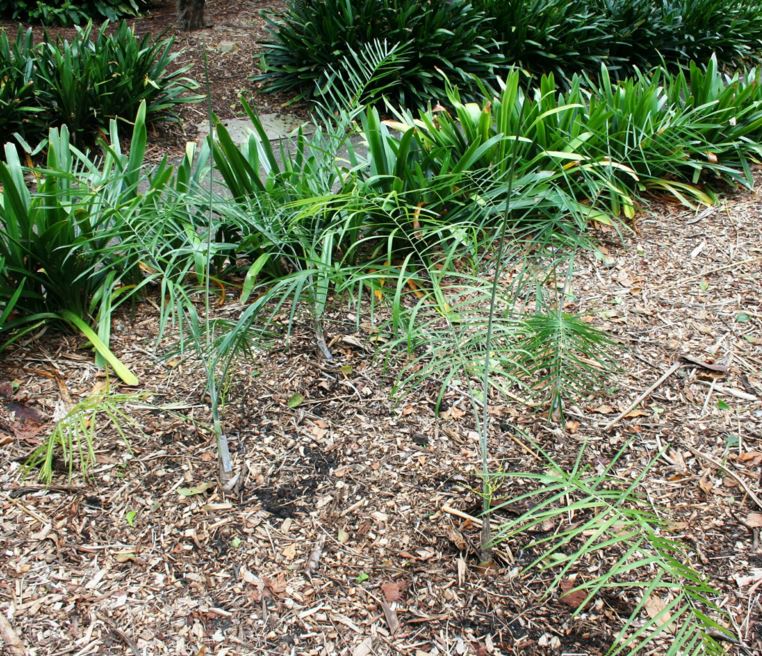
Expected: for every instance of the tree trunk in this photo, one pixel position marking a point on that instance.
(190, 14)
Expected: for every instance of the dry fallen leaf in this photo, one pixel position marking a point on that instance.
(276, 586)
(453, 412)
(290, 552)
(124, 556)
(754, 520)
(655, 607)
(752, 457)
(572, 598)
(393, 590)
(456, 537)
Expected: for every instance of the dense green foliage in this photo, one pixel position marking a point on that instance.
(86, 81)
(678, 31)
(578, 35)
(550, 35)
(19, 111)
(437, 40)
(458, 39)
(429, 186)
(69, 12)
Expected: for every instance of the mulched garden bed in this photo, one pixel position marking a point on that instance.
(334, 536)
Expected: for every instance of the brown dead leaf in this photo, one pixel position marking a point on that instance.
(676, 458)
(29, 422)
(276, 586)
(706, 485)
(603, 410)
(655, 607)
(752, 457)
(637, 412)
(290, 552)
(572, 598)
(572, 426)
(317, 432)
(754, 520)
(453, 412)
(456, 537)
(393, 590)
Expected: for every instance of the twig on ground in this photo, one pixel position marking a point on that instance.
(643, 396)
(11, 638)
(729, 472)
(317, 552)
(120, 634)
(711, 271)
(745, 396)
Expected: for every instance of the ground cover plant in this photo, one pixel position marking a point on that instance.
(464, 42)
(84, 82)
(69, 12)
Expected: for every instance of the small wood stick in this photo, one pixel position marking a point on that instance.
(317, 552)
(11, 638)
(643, 396)
(729, 472)
(459, 513)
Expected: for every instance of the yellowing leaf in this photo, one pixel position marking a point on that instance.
(196, 489)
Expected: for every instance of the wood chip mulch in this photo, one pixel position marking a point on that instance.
(333, 538)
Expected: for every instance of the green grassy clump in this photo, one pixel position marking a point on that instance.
(85, 82)
(69, 12)
(470, 41)
(435, 40)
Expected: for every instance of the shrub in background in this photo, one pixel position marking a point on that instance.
(437, 40)
(579, 35)
(678, 31)
(69, 12)
(91, 79)
(86, 81)
(550, 35)
(19, 111)
(458, 39)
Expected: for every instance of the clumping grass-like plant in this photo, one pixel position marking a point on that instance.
(106, 74)
(19, 111)
(434, 41)
(69, 12)
(57, 242)
(85, 82)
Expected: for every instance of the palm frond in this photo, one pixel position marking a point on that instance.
(593, 519)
